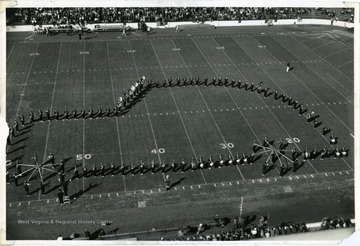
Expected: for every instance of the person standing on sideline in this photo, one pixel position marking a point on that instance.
(288, 67)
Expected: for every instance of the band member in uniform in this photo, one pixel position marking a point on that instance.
(211, 162)
(183, 166)
(112, 168)
(193, 165)
(153, 167)
(163, 167)
(142, 167)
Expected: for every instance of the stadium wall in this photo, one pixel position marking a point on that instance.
(29, 28)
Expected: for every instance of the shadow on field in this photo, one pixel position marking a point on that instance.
(82, 192)
(177, 183)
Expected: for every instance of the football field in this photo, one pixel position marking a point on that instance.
(167, 123)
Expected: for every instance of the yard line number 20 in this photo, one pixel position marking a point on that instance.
(292, 140)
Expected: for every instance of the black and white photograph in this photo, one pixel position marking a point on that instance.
(191, 121)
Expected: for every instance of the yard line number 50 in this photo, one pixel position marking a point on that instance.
(79, 157)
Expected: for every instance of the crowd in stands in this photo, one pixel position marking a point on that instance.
(59, 16)
(260, 230)
(243, 228)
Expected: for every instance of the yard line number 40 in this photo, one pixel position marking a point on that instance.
(160, 151)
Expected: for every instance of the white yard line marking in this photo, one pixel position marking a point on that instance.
(147, 111)
(83, 130)
(335, 80)
(30, 36)
(116, 118)
(26, 80)
(335, 53)
(51, 107)
(7, 58)
(201, 95)
(237, 106)
(178, 110)
(340, 66)
(323, 45)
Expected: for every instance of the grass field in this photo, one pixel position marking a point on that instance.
(61, 72)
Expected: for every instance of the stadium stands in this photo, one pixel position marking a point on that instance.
(42, 16)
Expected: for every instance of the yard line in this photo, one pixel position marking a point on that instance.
(323, 45)
(30, 36)
(10, 52)
(51, 105)
(116, 118)
(265, 103)
(351, 81)
(242, 176)
(339, 41)
(178, 110)
(334, 79)
(83, 159)
(312, 91)
(147, 111)
(52, 100)
(207, 106)
(283, 91)
(335, 53)
(352, 135)
(345, 63)
(26, 80)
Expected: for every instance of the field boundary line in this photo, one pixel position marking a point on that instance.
(181, 118)
(116, 118)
